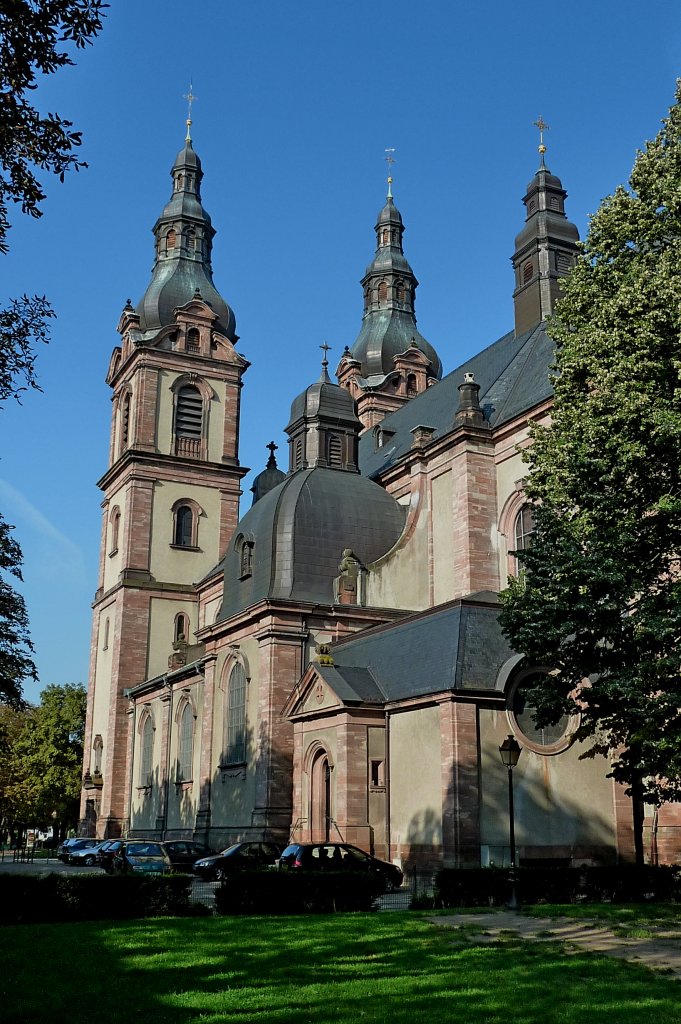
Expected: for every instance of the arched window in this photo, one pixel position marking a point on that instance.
(528, 271)
(189, 421)
(147, 752)
(235, 745)
(171, 239)
(523, 528)
(411, 385)
(400, 292)
(114, 529)
(382, 292)
(181, 631)
(183, 533)
(191, 241)
(385, 236)
(193, 341)
(335, 452)
(185, 745)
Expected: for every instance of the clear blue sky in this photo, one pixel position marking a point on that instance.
(296, 104)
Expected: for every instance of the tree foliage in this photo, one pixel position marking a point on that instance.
(599, 595)
(46, 758)
(36, 39)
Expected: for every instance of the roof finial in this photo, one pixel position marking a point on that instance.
(272, 462)
(390, 160)
(543, 127)
(190, 97)
(325, 362)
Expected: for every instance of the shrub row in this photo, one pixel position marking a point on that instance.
(297, 892)
(53, 897)
(625, 883)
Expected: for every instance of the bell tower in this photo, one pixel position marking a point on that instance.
(171, 490)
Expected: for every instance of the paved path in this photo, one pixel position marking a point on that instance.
(662, 952)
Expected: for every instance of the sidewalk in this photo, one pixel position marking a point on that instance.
(662, 952)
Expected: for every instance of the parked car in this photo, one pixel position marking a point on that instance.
(338, 857)
(69, 846)
(141, 856)
(106, 853)
(239, 857)
(86, 855)
(184, 852)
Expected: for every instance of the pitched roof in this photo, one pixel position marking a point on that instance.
(457, 646)
(513, 375)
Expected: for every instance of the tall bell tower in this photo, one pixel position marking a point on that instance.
(171, 490)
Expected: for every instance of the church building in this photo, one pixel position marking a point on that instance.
(329, 663)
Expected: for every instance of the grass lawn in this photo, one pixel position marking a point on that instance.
(391, 968)
(624, 919)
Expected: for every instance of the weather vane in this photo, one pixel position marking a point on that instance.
(390, 160)
(543, 127)
(190, 97)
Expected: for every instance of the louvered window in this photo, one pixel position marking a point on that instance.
(411, 386)
(382, 292)
(235, 748)
(563, 263)
(335, 451)
(171, 238)
(189, 421)
(528, 271)
(125, 421)
(193, 344)
(298, 460)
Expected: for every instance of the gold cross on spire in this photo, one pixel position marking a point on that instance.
(190, 97)
(543, 127)
(390, 160)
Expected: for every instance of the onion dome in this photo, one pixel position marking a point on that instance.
(184, 240)
(389, 323)
(270, 477)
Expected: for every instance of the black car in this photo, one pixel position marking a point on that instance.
(338, 857)
(239, 857)
(107, 852)
(184, 853)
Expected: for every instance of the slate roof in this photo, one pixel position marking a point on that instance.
(457, 646)
(299, 531)
(513, 375)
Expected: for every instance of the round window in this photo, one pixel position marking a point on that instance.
(546, 739)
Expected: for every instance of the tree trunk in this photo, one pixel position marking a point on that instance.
(637, 814)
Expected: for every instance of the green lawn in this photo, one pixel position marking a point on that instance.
(391, 968)
(642, 919)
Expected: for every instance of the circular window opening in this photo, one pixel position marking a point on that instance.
(546, 739)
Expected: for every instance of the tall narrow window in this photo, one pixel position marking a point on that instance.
(528, 272)
(97, 748)
(523, 528)
(185, 748)
(246, 559)
(171, 238)
(183, 536)
(193, 344)
(105, 642)
(298, 458)
(114, 528)
(411, 385)
(147, 752)
(382, 292)
(235, 747)
(189, 421)
(125, 421)
(181, 632)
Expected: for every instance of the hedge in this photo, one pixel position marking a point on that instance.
(53, 897)
(297, 892)
(624, 883)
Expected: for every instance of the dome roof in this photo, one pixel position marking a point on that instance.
(389, 214)
(323, 400)
(387, 333)
(299, 531)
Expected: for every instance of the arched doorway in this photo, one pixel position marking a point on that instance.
(320, 798)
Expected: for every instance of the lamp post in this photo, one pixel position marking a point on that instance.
(509, 752)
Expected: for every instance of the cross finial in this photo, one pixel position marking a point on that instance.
(390, 160)
(190, 97)
(272, 447)
(326, 348)
(541, 124)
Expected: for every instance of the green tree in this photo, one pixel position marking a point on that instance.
(47, 757)
(599, 594)
(36, 39)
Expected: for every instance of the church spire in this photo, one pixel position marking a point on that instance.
(184, 241)
(389, 284)
(545, 249)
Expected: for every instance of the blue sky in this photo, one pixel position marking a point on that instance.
(296, 105)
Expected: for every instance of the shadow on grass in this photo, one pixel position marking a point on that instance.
(340, 969)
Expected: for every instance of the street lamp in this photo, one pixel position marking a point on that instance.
(509, 751)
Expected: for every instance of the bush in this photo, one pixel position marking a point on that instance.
(622, 883)
(43, 898)
(297, 892)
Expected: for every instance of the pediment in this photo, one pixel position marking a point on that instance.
(312, 695)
